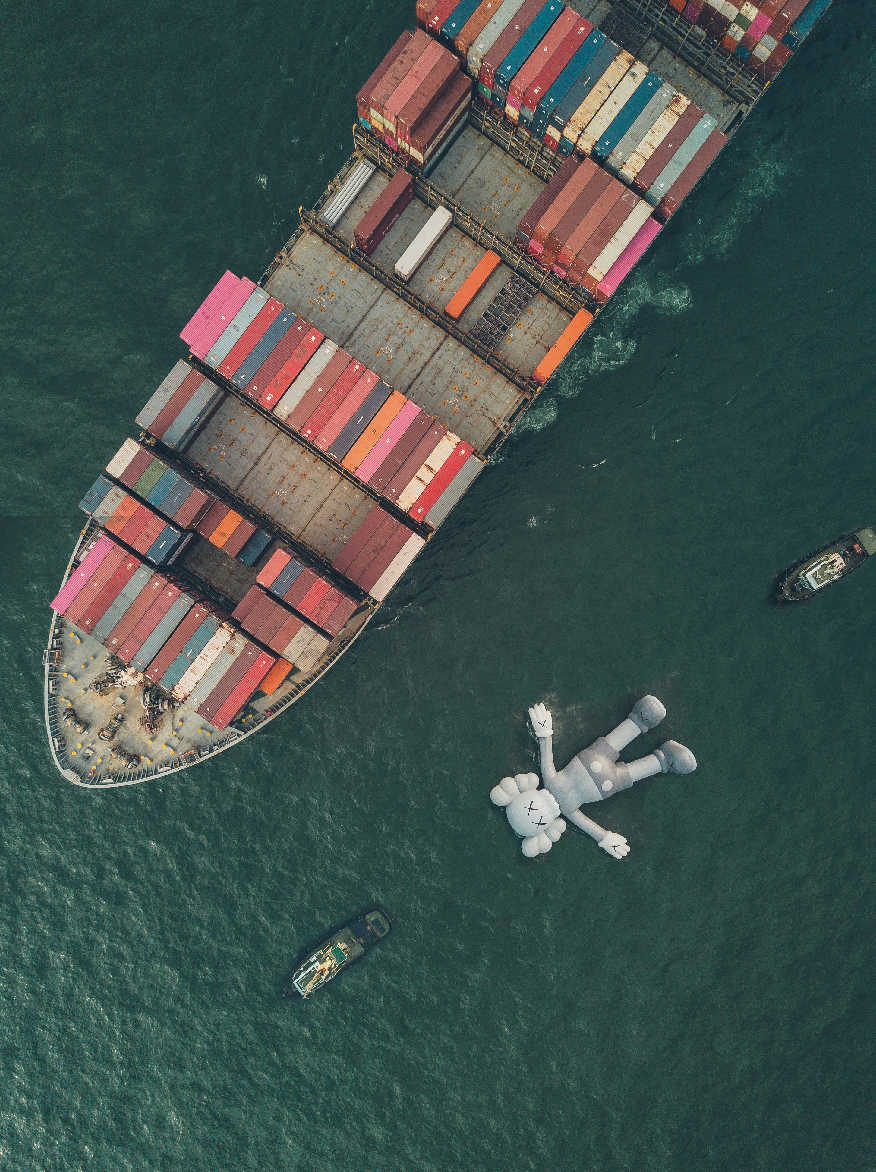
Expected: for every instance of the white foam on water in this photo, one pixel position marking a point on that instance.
(537, 418)
(756, 187)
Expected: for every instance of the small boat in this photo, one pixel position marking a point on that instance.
(338, 951)
(826, 566)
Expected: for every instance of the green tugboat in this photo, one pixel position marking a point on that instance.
(826, 566)
(337, 952)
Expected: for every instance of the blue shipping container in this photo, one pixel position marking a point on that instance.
(162, 632)
(248, 369)
(601, 60)
(192, 649)
(141, 576)
(285, 578)
(255, 547)
(192, 415)
(458, 17)
(521, 52)
(564, 83)
(630, 111)
(802, 27)
(95, 494)
(360, 421)
(164, 545)
(158, 493)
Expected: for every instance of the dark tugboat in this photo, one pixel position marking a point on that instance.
(826, 566)
(339, 950)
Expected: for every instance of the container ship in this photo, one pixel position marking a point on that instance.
(512, 161)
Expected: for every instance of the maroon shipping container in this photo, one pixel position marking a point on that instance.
(134, 523)
(268, 626)
(691, 175)
(239, 538)
(176, 642)
(667, 148)
(313, 598)
(382, 557)
(384, 212)
(383, 533)
(615, 217)
(286, 633)
(153, 616)
(249, 600)
(138, 465)
(398, 454)
(135, 611)
(507, 39)
(148, 534)
(96, 583)
(547, 197)
(336, 621)
(363, 98)
(92, 615)
(212, 518)
(415, 460)
(312, 398)
(175, 403)
(300, 586)
(329, 603)
(264, 607)
(224, 687)
(284, 350)
(243, 690)
(314, 424)
(585, 193)
(602, 191)
(442, 117)
(357, 540)
(417, 107)
(192, 508)
(397, 71)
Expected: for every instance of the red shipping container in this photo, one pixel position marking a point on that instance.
(148, 533)
(292, 367)
(541, 56)
(614, 220)
(394, 460)
(127, 509)
(286, 633)
(507, 39)
(329, 603)
(138, 465)
(144, 628)
(300, 587)
(779, 56)
(552, 68)
(439, 15)
(334, 623)
(268, 625)
(667, 148)
(135, 611)
(242, 691)
(92, 614)
(175, 643)
(313, 598)
(585, 187)
(243, 608)
(384, 212)
(603, 194)
(211, 704)
(281, 353)
(336, 422)
(323, 413)
(691, 175)
(369, 575)
(253, 333)
(440, 481)
(278, 561)
(390, 80)
(312, 398)
(412, 114)
(387, 530)
(363, 98)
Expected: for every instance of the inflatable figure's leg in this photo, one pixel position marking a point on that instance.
(671, 757)
(646, 714)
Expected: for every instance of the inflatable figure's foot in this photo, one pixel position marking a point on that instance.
(647, 713)
(675, 758)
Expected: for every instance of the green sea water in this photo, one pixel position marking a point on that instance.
(701, 1005)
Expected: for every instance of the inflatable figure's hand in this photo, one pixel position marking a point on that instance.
(541, 722)
(615, 845)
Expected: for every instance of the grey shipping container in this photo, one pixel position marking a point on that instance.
(199, 406)
(244, 317)
(162, 396)
(126, 597)
(459, 485)
(334, 210)
(162, 632)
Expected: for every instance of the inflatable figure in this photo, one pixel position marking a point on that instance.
(594, 774)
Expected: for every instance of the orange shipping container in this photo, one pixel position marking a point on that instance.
(374, 431)
(472, 285)
(124, 511)
(275, 677)
(225, 528)
(562, 346)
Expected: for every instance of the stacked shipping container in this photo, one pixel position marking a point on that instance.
(346, 411)
(279, 629)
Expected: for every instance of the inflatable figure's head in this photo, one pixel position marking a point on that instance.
(532, 813)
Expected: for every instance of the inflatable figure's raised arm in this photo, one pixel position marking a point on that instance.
(543, 727)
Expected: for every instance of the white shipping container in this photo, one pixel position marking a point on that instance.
(423, 243)
(306, 379)
(123, 457)
(610, 109)
(620, 240)
(202, 662)
(592, 104)
(427, 470)
(654, 137)
(490, 35)
(397, 567)
(347, 192)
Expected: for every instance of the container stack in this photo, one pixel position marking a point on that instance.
(416, 99)
(134, 523)
(585, 227)
(302, 589)
(377, 553)
(547, 70)
(762, 34)
(277, 628)
(180, 406)
(349, 413)
(234, 677)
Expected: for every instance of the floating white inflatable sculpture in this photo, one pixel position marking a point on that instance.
(538, 815)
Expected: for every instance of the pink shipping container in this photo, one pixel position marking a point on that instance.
(215, 311)
(388, 440)
(346, 410)
(242, 691)
(397, 567)
(630, 256)
(82, 573)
